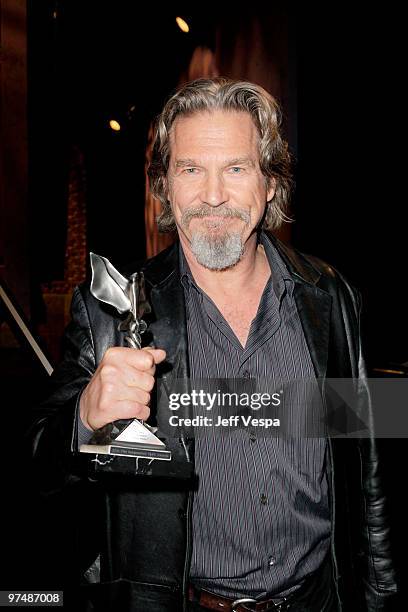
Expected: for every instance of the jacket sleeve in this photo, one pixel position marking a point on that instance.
(378, 570)
(53, 433)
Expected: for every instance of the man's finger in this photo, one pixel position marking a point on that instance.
(144, 379)
(145, 359)
(132, 410)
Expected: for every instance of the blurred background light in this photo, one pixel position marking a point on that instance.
(182, 24)
(114, 125)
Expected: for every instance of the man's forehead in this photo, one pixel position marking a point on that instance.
(201, 129)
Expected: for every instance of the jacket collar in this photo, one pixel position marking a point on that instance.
(299, 267)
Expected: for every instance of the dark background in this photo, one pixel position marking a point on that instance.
(343, 119)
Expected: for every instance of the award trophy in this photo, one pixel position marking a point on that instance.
(131, 438)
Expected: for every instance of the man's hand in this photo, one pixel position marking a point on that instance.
(120, 387)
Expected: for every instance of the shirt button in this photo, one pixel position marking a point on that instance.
(264, 499)
(245, 374)
(271, 561)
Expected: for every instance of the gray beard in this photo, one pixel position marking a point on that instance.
(217, 252)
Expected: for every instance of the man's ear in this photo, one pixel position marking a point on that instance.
(271, 188)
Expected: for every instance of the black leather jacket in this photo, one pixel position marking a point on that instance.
(145, 545)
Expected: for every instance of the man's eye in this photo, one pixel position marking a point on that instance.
(190, 170)
(236, 170)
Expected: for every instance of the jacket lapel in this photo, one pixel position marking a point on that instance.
(314, 308)
(167, 326)
(313, 304)
(167, 329)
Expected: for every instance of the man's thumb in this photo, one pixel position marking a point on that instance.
(159, 355)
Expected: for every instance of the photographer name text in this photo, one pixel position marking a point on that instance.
(231, 421)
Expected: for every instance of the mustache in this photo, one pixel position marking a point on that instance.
(207, 211)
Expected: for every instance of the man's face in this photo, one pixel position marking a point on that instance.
(215, 186)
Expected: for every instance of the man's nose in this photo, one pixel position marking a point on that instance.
(214, 192)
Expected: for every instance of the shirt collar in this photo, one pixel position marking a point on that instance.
(186, 277)
(281, 277)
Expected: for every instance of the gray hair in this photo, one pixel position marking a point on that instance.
(225, 94)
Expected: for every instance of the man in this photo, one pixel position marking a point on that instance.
(273, 523)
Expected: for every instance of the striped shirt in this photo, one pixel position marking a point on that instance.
(260, 518)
